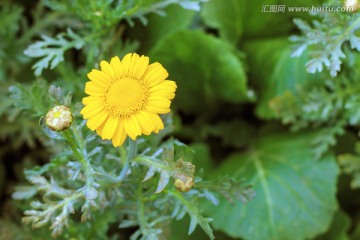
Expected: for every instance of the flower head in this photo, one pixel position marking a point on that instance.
(126, 98)
(184, 185)
(59, 118)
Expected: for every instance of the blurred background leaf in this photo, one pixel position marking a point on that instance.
(193, 60)
(295, 193)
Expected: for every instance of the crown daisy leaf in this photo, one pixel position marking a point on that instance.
(126, 97)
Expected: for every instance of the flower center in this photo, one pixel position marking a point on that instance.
(125, 96)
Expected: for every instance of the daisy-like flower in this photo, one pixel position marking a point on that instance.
(126, 98)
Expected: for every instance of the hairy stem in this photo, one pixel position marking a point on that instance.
(131, 154)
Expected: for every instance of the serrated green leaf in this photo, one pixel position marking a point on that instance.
(51, 50)
(194, 213)
(163, 181)
(150, 173)
(24, 192)
(31, 97)
(90, 193)
(295, 194)
(202, 66)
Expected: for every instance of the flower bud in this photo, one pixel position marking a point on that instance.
(184, 186)
(59, 118)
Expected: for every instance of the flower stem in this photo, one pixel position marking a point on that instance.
(131, 154)
(70, 139)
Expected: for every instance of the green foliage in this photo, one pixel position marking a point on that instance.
(31, 98)
(338, 229)
(159, 26)
(331, 106)
(206, 74)
(326, 43)
(52, 50)
(350, 164)
(278, 73)
(292, 190)
(230, 27)
(247, 80)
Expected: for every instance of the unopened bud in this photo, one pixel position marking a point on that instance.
(56, 93)
(184, 186)
(59, 118)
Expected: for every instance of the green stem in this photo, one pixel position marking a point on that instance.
(141, 210)
(70, 139)
(150, 162)
(131, 154)
(347, 31)
(78, 139)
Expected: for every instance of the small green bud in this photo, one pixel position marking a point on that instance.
(184, 186)
(59, 118)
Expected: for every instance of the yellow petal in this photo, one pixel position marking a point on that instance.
(147, 126)
(155, 74)
(100, 129)
(99, 77)
(132, 127)
(141, 66)
(159, 125)
(157, 109)
(91, 99)
(165, 85)
(92, 109)
(126, 63)
(120, 134)
(95, 87)
(132, 66)
(117, 66)
(158, 101)
(165, 93)
(107, 69)
(166, 89)
(93, 90)
(110, 128)
(94, 122)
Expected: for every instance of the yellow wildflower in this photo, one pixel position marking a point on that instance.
(126, 98)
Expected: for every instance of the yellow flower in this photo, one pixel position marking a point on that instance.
(126, 98)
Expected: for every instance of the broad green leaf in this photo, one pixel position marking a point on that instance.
(226, 129)
(202, 158)
(202, 66)
(338, 229)
(274, 71)
(175, 18)
(295, 194)
(225, 17)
